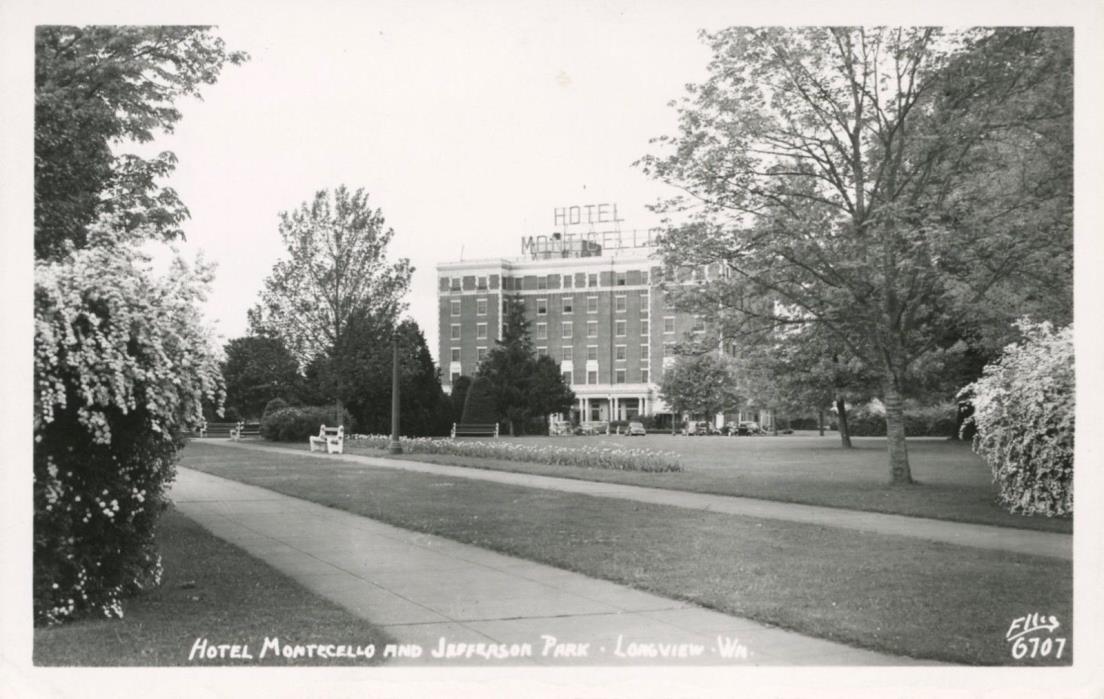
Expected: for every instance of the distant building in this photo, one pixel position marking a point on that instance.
(593, 304)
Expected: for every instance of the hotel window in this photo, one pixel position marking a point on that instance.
(552, 280)
(643, 376)
(619, 376)
(669, 325)
(481, 307)
(455, 376)
(699, 326)
(481, 282)
(619, 328)
(455, 354)
(454, 283)
(619, 303)
(542, 282)
(542, 306)
(592, 377)
(542, 331)
(592, 304)
(568, 303)
(567, 281)
(566, 377)
(592, 353)
(592, 328)
(592, 280)
(643, 353)
(565, 330)
(620, 279)
(455, 307)
(566, 353)
(481, 331)
(668, 349)
(480, 353)
(644, 327)
(455, 332)
(644, 277)
(644, 303)
(542, 351)
(620, 353)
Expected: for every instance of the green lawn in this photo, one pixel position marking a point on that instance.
(210, 590)
(952, 482)
(898, 595)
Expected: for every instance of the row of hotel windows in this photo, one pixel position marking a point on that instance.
(567, 281)
(567, 304)
(619, 376)
(620, 352)
(567, 329)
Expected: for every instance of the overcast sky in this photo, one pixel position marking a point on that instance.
(466, 125)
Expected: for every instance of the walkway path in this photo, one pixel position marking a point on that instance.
(1050, 544)
(422, 588)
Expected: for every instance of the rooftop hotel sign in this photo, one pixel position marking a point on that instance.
(578, 232)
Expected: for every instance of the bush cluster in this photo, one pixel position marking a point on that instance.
(1024, 414)
(297, 424)
(928, 421)
(616, 458)
(122, 366)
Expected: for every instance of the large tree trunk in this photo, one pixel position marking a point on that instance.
(844, 430)
(895, 434)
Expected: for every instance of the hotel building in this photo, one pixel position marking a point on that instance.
(593, 304)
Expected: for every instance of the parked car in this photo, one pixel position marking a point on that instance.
(636, 429)
(748, 428)
(701, 429)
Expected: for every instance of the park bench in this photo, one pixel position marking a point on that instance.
(332, 439)
(245, 429)
(488, 430)
(216, 429)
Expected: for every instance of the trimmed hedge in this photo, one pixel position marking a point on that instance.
(929, 421)
(297, 424)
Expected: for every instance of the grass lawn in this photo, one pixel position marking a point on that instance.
(952, 482)
(210, 589)
(893, 594)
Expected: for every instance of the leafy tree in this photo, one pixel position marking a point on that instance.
(847, 174)
(95, 89)
(548, 394)
(258, 370)
(701, 385)
(363, 360)
(459, 396)
(335, 270)
(480, 407)
(523, 386)
(1024, 414)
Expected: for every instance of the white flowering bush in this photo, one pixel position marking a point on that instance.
(1024, 414)
(617, 458)
(122, 364)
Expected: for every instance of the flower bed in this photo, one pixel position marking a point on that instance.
(617, 458)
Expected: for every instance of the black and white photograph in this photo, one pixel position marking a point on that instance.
(563, 349)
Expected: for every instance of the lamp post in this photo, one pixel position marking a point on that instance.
(395, 447)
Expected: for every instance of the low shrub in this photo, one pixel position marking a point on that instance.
(1024, 414)
(274, 405)
(297, 424)
(928, 421)
(617, 458)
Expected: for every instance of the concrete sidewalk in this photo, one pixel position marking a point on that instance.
(1037, 543)
(422, 589)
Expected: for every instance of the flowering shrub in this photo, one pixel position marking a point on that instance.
(617, 458)
(296, 424)
(121, 366)
(1024, 414)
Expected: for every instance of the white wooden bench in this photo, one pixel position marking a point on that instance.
(474, 430)
(332, 439)
(245, 429)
